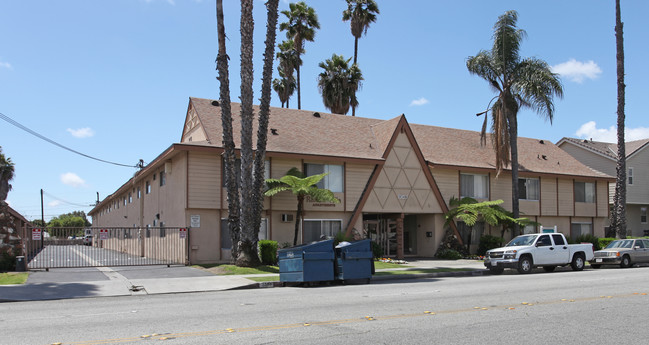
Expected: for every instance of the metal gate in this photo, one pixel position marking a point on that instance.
(97, 247)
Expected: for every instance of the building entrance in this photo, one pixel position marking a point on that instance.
(384, 233)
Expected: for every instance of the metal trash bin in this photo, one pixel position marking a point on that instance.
(307, 263)
(20, 264)
(354, 260)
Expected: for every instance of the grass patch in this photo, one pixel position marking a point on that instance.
(225, 269)
(264, 279)
(381, 265)
(423, 270)
(11, 278)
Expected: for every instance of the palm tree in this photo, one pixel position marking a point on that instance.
(6, 175)
(618, 217)
(360, 13)
(338, 84)
(301, 186)
(284, 87)
(289, 60)
(519, 83)
(301, 25)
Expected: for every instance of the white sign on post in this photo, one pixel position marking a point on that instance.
(183, 232)
(195, 220)
(103, 234)
(36, 234)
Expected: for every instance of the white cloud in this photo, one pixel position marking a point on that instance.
(81, 132)
(589, 130)
(170, 2)
(72, 179)
(5, 65)
(54, 203)
(577, 71)
(418, 102)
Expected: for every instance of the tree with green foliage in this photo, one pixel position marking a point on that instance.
(6, 175)
(301, 186)
(288, 60)
(67, 221)
(300, 27)
(338, 83)
(519, 83)
(284, 86)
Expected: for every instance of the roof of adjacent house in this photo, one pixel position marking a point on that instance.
(302, 132)
(609, 150)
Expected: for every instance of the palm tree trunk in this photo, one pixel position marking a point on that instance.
(231, 183)
(355, 48)
(298, 217)
(513, 142)
(299, 99)
(620, 185)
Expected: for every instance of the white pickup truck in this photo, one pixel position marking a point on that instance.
(547, 250)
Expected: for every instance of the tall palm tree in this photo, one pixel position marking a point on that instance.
(301, 186)
(618, 217)
(6, 175)
(289, 60)
(519, 83)
(360, 13)
(300, 27)
(285, 87)
(338, 83)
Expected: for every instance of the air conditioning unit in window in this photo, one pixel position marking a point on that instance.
(286, 217)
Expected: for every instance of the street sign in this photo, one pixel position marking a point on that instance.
(183, 232)
(36, 234)
(103, 234)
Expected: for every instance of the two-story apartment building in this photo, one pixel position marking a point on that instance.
(394, 181)
(602, 156)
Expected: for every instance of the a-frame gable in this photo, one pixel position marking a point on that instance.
(403, 183)
(193, 128)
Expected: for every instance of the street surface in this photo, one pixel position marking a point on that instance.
(589, 307)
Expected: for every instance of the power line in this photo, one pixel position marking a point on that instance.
(67, 202)
(11, 121)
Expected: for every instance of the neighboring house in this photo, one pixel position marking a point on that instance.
(603, 157)
(394, 181)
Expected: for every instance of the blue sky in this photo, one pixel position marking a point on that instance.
(112, 79)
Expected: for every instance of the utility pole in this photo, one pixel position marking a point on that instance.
(42, 219)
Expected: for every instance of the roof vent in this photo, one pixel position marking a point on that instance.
(544, 157)
(541, 141)
(215, 103)
(316, 114)
(586, 141)
(274, 131)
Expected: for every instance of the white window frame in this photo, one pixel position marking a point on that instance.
(536, 197)
(629, 176)
(328, 181)
(643, 213)
(328, 236)
(484, 177)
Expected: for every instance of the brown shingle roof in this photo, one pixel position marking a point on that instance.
(608, 149)
(299, 132)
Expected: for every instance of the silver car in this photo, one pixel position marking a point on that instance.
(625, 253)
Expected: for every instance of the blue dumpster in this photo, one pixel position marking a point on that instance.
(307, 263)
(354, 260)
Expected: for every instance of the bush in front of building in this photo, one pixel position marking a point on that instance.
(268, 252)
(604, 241)
(7, 262)
(448, 254)
(489, 242)
(589, 239)
(377, 251)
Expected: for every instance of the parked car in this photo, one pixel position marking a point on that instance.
(87, 240)
(538, 250)
(625, 253)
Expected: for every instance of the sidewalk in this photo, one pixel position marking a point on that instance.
(129, 281)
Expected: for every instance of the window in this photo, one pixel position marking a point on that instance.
(124, 201)
(139, 192)
(316, 229)
(630, 176)
(471, 235)
(226, 239)
(163, 178)
(148, 187)
(529, 229)
(528, 188)
(558, 240)
(585, 192)
(333, 181)
(163, 231)
(130, 198)
(578, 229)
(544, 241)
(474, 186)
(643, 215)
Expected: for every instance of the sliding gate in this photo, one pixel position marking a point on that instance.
(97, 247)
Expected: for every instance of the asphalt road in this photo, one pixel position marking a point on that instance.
(588, 307)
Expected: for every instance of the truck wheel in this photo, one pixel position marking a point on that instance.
(626, 262)
(496, 270)
(595, 266)
(549, 268)
(577, 263)
(525, 265)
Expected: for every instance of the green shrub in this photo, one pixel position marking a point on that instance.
(341, 237)
(604, 241)
(377, 251)
(589, 239)
(448, 254)
(268, 252)
(7, 262)
(488, 242)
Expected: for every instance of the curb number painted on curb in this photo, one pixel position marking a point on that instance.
(266, 284)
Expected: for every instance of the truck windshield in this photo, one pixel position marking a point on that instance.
(525, 240)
